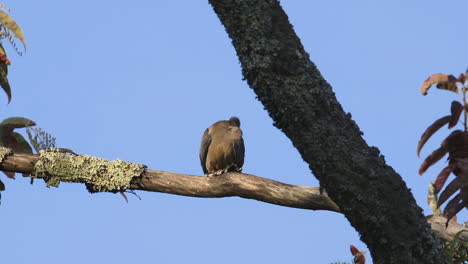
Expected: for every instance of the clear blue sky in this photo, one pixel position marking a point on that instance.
(141, 80)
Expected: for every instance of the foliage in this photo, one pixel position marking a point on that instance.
(4, 62)
(13, 140)
(456, 144)
(40, 139)
(358, 255)
(10, 31)
(456, 251)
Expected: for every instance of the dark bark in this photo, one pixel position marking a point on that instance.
(373, 197)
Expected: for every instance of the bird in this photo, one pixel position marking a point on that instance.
(222, 148)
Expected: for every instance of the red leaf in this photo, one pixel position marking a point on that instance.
(358, 255)
(451, 188)
(454, 206)
(456, 109)
(354, 250)
(442, 177)
(443, 81)
(457, 144)
(435, 156)
(461, 167)
(431, 130)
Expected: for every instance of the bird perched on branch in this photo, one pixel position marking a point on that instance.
(222, 148)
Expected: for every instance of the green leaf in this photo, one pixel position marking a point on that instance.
(13, 140)
(23, 146)
(16, 122)
(451, 247)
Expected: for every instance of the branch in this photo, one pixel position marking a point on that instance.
(373, 197)
(235, 184)
(227, 185)
(447, 233)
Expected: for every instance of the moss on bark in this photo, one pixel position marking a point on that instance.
(100, 175)
(373, 197)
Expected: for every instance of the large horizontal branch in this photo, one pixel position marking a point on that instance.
(235, 184)
(229, 185)
(226, 185)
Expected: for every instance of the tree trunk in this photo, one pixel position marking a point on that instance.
(371, 194)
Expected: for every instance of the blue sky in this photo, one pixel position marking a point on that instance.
(140, 81)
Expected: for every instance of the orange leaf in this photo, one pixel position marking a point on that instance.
(443, 81)
(435, 156)
(431, 130)
(454, 218)
(11, 25)
(456, 109)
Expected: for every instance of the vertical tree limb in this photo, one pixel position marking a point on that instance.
(372, 195)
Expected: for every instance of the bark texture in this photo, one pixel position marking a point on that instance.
(373, 197)
(226, 185)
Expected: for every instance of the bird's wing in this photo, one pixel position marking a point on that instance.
(205, 144)
(239, 152)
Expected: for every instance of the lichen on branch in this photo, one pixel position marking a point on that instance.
(4, 152)
(100, 175)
